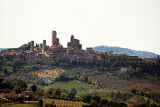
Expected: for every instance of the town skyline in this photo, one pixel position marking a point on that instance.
(135, 26)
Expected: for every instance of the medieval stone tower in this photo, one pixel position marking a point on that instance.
(54, 38)
(72, 40)
(44, 45)
(32, 46)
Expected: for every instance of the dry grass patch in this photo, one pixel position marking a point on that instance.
(145, 87)
(48, 73)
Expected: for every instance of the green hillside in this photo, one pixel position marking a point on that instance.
(141, 54)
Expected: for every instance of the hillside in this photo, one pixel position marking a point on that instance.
(118, 79)
(141, 54)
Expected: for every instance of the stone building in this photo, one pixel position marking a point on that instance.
(44, 45)
(55, 40)
(74, 43)
(73, 52)
(32, 46)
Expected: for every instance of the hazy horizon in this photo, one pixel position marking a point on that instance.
(132, 24)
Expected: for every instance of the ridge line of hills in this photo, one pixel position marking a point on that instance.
(130, 52)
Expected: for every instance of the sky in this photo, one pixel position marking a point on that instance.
(133, 24)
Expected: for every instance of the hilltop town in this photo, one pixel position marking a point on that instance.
(43, 65)
(72, 52)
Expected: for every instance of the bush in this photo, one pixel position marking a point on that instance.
(93, 103)
(85, 98)
(104, 101)
(40, 103)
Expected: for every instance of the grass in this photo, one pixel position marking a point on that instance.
(29, 86)
(9, 69)
(1, 73)
(81, 87)
(84, 88)
(104, 93)
(71, 84)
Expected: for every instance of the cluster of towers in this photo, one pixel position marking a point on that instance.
(41, 46)
(74, 43)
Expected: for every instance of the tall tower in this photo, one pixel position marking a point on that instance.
(72, 40)
(54, 38)
(32, 46)
(44, 45)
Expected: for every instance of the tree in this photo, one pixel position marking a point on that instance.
(63, 95)
(62, 77)
(40, 103)
(54, 93)
(133, 91)
(104, 101)
(71, 95)
(49, 91)
(5, 71)
(96, 98)
(1, 62)
(58, 91)
(74, 91)
(19, 86)
(14, 69)
(17, 63)
(86, 98)
(93, 103)
(34, 88)
(117, 95)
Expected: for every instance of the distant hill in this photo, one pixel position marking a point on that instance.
(3, 49)
(141, 54)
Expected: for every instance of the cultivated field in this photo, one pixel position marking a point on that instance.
(63, 103)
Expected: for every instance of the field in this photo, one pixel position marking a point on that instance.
(60, 103)
(9, 69)
(71, 84)
(18, 105)
(114, 86)
(144, 87)
(42, 76)
(84, 88)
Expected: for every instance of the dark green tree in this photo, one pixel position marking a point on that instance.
(93, 103)
(19, 86)
(14, 69)
(133, 91)
(34, 88)
(5, 71)
(74, 91)
(96, 98)
(40, 103)
(86, 98)
(58, 91)
(71, 96)
(104, 101)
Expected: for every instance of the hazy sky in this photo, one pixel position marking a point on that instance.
(131, 24)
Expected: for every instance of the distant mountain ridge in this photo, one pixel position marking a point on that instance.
(3, 49)
(130, 52)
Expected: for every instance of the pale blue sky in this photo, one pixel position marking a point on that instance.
(131, 24)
